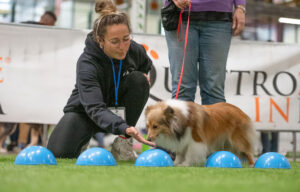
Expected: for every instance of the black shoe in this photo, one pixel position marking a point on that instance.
(11, 146)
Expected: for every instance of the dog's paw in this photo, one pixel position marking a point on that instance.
(177, 162)
(184, 164)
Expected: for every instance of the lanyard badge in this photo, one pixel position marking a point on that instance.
(120, 111)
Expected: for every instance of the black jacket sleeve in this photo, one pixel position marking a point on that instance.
(91, 98)
(143, 62)
(146, 62)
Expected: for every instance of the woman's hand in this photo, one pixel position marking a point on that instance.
(238, 22)
(181, 4)
(133, 132)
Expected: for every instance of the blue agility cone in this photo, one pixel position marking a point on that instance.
(35, 155)
(272, 160)
(96, 156)
(223, 159)
(154, 158)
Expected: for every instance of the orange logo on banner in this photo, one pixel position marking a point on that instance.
(6, 60)
(153, 53)
(285, 116)
(257, 107)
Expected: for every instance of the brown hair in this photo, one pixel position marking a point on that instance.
(108, 16)
(51, 14)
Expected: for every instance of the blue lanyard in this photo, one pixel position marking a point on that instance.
(115, 82)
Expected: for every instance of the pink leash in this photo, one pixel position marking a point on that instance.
(185, 43)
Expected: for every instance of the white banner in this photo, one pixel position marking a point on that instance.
(37, 75)
(262, 79)
(37, 72)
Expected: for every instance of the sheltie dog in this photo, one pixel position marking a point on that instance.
(194, 131)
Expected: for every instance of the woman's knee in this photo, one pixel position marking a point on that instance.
(138, 80)
(61, 148)
(70, 134)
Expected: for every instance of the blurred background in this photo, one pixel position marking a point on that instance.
(267, 20)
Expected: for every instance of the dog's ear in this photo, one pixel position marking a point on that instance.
(169, 112)
(148, 109)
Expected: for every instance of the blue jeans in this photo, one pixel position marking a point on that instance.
(206, 56)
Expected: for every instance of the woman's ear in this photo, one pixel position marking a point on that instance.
(100, 41)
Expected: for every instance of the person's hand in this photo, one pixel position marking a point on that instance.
(133, 132)
(181, 4)
(148, 79)
(238, 22)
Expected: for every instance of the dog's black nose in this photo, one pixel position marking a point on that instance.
(149, 138)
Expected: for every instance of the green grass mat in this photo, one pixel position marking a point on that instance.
(66, 176)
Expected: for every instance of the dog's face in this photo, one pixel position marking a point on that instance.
(158, 119)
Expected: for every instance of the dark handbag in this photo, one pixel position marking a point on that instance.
(170, 16)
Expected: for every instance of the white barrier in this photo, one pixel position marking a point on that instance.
(37, 75)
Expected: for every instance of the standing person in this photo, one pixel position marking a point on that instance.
(35, 129)
(211, 26)
(111, 72)
(48, 18)
(6, 129)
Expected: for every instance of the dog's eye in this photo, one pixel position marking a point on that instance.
(154, 126)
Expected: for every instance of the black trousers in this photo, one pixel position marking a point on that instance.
(74, 130)
(269, 141)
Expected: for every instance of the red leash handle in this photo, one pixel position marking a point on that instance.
(179, 26)
(122, 137)
(185, 44)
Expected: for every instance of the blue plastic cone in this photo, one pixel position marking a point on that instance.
(96, 156)
(35, 155)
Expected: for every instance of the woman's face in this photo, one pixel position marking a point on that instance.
(116, 41)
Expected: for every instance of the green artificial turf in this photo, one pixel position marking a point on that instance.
(66, 176)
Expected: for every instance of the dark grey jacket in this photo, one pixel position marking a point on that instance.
(94, 88)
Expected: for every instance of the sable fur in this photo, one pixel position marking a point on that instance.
(194, 131)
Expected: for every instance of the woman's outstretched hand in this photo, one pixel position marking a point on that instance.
(133, 132)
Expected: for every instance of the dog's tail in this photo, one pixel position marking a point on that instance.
(253, 138)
